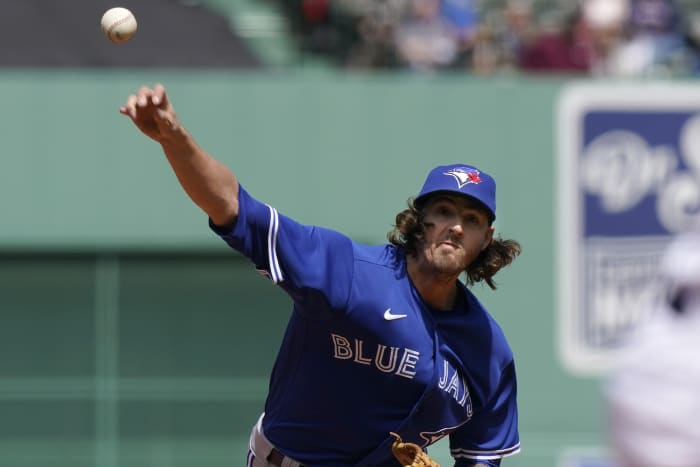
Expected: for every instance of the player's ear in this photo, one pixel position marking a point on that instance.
(488, 238)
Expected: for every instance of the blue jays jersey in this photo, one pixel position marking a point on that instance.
(363, 355)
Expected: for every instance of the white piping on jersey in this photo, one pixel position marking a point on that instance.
(485, 455)
(273, 262)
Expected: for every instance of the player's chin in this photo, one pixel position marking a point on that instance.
(449, 264)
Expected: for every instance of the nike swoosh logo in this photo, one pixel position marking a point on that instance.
(389, 316)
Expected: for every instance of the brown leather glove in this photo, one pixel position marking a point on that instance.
(410, 454)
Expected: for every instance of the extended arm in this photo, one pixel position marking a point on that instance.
(208, 182)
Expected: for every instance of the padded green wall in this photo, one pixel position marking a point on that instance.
(131, 336)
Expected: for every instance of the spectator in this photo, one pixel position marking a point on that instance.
(517, 32)
(462, 16)
(463, 19)
(655, 45)
(425, 40)
(692, 40)
(593, 30)
(375, 48)
(319, 28)
(561, 50)
(485, 55)
(501, 38)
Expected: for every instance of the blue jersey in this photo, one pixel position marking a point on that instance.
(363, 355)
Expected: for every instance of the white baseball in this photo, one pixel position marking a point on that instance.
(118, 24)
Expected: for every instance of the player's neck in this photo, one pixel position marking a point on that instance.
(437, 290)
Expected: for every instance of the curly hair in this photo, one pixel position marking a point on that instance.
(409, 230)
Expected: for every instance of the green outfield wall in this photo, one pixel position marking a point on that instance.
(131, 336)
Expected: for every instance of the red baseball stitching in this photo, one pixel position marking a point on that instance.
(118, 22)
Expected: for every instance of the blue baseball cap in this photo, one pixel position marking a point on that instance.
(460, 179)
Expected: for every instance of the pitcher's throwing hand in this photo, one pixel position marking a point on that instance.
(153, 114)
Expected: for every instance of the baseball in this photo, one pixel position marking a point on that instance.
(118, 24)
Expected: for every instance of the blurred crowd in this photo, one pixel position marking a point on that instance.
(617, 38)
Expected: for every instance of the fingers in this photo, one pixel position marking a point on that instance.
(130, 107)
(144, 98)
(159, 97)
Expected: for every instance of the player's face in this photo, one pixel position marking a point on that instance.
(456, 230)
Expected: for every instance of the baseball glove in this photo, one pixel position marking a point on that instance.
(410, 454)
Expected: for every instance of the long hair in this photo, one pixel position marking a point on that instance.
(409, 232)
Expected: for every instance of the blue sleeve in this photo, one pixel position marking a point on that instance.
(306, 261)
(492, 433)
(490, 463)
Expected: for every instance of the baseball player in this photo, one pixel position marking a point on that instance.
(382, 339)
(652, 393)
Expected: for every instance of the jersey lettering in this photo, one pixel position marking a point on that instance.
(456, 385)
(385, 359)
(386, 363)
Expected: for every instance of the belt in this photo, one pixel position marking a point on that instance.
(276, 458)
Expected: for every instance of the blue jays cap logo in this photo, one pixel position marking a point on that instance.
(464, 176)
(471, 182)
